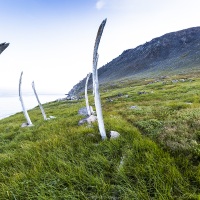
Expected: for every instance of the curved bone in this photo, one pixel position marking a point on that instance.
(96, 82)
(29, 123)
(86, 95)
(40, 105)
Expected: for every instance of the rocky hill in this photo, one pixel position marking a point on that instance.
(3, 46)
(175, 52)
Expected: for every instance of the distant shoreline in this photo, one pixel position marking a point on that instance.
(10, 104)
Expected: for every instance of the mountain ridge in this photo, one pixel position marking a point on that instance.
(170, 53)
(3, 46)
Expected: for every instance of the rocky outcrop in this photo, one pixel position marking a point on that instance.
(172, 52)
(3, 46)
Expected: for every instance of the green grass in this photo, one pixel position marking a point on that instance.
(156, 156)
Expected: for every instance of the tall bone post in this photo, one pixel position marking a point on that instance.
(40, 105)
(96, 82)
(86, 96)
(29, 123)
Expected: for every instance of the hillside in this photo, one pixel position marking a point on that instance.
(3, 46)
(172, 53)
(157, 155)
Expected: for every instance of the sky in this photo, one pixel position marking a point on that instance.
(52, 41)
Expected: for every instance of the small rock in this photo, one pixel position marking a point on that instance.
(83, 111)
(142, 92)
(82, 121)
(114, 134)
(109, 100)
(89, 120)
(150, 83)
(134, 107)
(174, 81)
(164, 77)
(120, 94)
(74, 98)
(52, 117)
(25, 124)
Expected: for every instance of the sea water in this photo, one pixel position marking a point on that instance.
(10, 104)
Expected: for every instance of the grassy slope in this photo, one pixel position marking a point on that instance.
(156, 157)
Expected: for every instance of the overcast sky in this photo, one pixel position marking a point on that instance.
(52, 41)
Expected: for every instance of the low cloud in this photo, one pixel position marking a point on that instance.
(100, 4)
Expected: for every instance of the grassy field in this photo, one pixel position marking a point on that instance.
(156, 156)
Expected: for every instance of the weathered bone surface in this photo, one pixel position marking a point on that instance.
(96, 82)
(86, 96)
(40, 105)
(29, 123)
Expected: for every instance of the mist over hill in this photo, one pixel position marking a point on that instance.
(175, 52)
